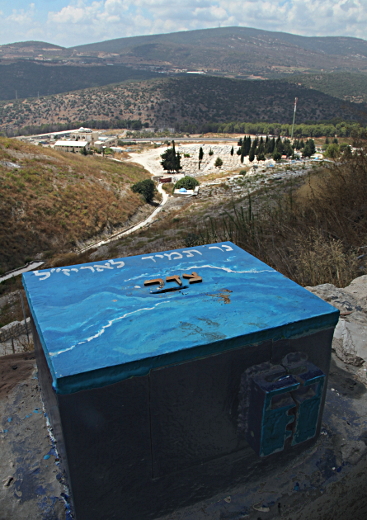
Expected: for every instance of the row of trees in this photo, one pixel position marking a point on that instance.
(272, 147)
(258, 147)
(309, 129)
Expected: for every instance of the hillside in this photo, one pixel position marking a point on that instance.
(342, 85)
(30, 49)
(24, 79)
(237, 50)
(50, 200)
(181, 102)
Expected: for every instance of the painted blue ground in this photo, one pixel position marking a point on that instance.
(98, 323)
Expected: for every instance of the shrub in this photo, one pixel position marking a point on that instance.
(218, 162)
(146, 188)
(186, 182)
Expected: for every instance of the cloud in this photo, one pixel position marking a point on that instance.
(72, 22)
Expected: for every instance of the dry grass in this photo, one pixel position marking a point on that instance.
(314, 236)
(55, 199)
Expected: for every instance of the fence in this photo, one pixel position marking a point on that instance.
(16, 336)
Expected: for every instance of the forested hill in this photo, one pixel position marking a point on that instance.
(25, 79)
(183, 103)
(348, 86)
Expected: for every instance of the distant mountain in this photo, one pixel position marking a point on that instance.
(229, 51)
(29, 49)
(186, 102)
(236, 50)
(327, 74)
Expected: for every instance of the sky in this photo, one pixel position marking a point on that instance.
(75, 22)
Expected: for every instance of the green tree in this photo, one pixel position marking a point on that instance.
(232, 151)
(186, 182)
(332, 151)
(309, 148)
(276, 155)
(287, 148)
(218, 162)
(201, 155)
(146, 188)
(171, 161)
(211, 152)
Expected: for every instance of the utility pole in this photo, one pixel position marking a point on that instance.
(294, 115)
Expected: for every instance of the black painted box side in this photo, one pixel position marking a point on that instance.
(146, 446)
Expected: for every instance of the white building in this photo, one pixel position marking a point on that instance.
(72, 146)
(86, 134)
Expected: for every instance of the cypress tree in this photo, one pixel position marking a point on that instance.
(201, 155)
(248, 145)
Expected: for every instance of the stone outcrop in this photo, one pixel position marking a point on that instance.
(350, 336)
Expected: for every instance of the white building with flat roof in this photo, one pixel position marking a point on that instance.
(72, 146)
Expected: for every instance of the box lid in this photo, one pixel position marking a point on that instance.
(99, 323)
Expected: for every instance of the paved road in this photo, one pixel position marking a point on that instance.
(139, 159)
(134, 228)
(17, 272)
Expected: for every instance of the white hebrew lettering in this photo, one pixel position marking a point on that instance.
(159, 256)
(66, 271)
(88, 267)
(227, 248)
(100, 268)
(216, 247)
(74, 269)
(118, 264)
(148, 257)
(168, 255)
(189, 252)
(45, 275)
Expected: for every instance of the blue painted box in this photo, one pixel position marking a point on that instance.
(171, 376)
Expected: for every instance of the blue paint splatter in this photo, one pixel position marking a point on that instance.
(46, 457)
(10, 419)
(40, 490)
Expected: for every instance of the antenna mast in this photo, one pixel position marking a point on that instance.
(294, 115)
